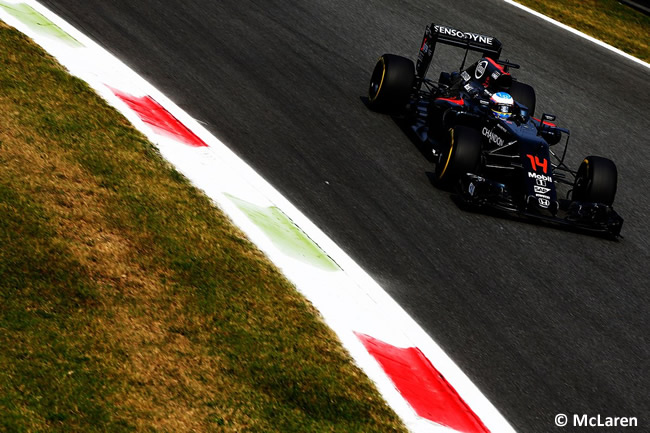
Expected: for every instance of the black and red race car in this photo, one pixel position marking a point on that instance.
(499, 157)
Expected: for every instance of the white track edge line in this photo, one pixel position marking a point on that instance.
(578, 33)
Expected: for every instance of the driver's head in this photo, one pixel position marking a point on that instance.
(501, 104)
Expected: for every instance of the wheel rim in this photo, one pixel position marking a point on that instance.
(449, 152)
(377, 79)
(582, 180)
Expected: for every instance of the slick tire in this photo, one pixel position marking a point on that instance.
(525, 95)
(596, 181)
(462, 155)
(391, 84)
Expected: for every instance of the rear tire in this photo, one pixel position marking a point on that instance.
(525, 95)
(391, 83)
(596, 181)
(462, 155)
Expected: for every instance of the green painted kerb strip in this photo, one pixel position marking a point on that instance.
(285, 235)
(37, 22)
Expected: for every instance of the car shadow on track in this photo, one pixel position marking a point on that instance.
(406, 128)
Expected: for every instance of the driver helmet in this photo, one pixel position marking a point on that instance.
(501, 104)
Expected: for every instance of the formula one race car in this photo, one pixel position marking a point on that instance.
(479, 124)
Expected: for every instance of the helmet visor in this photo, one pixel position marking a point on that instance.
(503, 108)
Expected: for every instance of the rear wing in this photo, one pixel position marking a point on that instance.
(434, 34)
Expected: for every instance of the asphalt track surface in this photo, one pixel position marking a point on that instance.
(543, 320)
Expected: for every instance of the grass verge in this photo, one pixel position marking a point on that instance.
(127, 301)
(608, 20)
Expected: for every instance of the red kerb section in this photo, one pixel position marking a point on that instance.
(161, 120)
(423, 386)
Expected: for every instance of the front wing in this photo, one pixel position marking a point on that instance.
(480, 193)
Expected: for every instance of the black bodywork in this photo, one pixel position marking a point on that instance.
(520, 171)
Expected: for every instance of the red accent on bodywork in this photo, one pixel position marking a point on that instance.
(161, 120)
(545, 122)
(457, 101)
(498, 66)
(488, 76)
(426, 390)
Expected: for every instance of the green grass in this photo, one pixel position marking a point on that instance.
(128, 302)
(607, 20)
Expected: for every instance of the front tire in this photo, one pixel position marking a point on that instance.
(391, 83)
(462, 155)
(596, 181)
